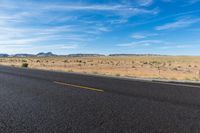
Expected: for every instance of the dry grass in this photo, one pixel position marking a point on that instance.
(169, 67)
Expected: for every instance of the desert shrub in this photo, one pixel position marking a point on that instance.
(156, 62)
(70, 71)
(118, 63)
(95, 72)
(66, 61)
(133, 67)
(24, 60)
(196, 79)
(187, 78)
(25, 65)
(145, 63)
(164, 63)
(79, 61)
(90, 60)
(118, 74)
(173, 78)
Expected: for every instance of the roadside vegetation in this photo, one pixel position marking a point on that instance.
(25, 65)
(162, 67)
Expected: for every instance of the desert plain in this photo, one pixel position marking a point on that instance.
(158, 67)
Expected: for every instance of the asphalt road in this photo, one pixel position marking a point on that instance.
(55, 102)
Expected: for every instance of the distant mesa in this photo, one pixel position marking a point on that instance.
(48, 54)
(4, 55)
(135, 55)
(42, 54)
(85, 55)
(22, 55)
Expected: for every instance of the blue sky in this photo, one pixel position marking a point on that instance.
(100, 26)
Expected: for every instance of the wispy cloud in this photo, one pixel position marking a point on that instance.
(178, 24)
(114, 9)
(143, 35)
(50, 35)
(24, 26)
(11, 49)
(157, 44)
(83, 7)
(41, 25)
(140, 43)
(138, 36)
(175, 46)
(72, 7)
(145, 2)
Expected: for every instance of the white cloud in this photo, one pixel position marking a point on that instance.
(145, 2)
(138, 36)
(20, 41)
(140, 43)
(38, 12)
(23, 24)
(178, 24)
(34, 49)
(160, 44)
(82, 7)
(14, 36)
(118, 9)
(175, 46)
(143, 35)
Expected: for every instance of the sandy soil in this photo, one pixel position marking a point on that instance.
(163, 67)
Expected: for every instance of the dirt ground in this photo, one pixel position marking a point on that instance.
(162, 67)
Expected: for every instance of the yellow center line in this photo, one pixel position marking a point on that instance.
(78, 86)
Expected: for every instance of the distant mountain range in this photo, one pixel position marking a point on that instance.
(42, 54)
(85, 55)
(135, 55)
(50, 54)
(4, 55)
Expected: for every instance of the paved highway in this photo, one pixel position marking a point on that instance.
(55, 102)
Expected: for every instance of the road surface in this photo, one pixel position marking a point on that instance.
(55, 102)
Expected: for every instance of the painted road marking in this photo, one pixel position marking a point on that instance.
(174, 84)
(79, 86)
